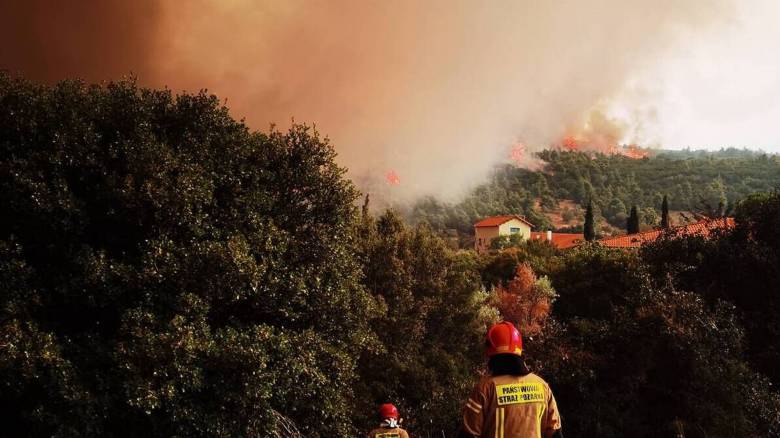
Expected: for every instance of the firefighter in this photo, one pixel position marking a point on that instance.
(390, 424)
(510, 402)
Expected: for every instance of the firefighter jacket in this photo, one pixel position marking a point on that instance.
(511, 407)
(386, 432)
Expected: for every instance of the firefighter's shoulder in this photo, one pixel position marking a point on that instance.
(485, 383)
(531, 377)
(395, 432)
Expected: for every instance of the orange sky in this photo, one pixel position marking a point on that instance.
(437, 91)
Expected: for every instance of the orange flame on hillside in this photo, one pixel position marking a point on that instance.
(570, 143)
(392, 178)
(634, 151)
(631, 151)
(599, 133)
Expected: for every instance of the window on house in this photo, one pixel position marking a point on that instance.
(514, 230)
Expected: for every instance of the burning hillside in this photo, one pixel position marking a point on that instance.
(572, 144)
(600, 134)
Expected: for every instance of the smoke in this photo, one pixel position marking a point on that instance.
(435, 92)
(94, 40)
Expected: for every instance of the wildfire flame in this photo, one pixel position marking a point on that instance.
(633, 151)
(599, 134)
(570, 143)
(392, 178)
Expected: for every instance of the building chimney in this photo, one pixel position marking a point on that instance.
(549, 235)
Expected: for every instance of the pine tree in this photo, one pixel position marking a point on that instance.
(632, 223)
(665, 213)
(364, 211)
(589, 228)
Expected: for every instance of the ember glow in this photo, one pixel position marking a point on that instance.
(570, 143)
(392, 178)
(634, 151)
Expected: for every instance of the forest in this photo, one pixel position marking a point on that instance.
(166, 271)
(696, 182)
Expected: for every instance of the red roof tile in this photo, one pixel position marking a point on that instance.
(559, 240)
(636, 240)
(495, 221)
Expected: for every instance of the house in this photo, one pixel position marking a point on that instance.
(702, 228)
(559, 240)
(489, 228)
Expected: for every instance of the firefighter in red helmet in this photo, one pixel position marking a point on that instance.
(389, 426)
(511, 401)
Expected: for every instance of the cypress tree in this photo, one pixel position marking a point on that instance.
(632, 223)
(665, 213)
(589, 230)
(364, 211)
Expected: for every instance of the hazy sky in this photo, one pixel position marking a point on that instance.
(436, 91)
(713, 89)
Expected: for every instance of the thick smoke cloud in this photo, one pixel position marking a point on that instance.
(437, 91)
(95, 40)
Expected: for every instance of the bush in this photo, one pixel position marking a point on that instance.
(741, 266)
(431, 335)
(628, 356)
(166, 271)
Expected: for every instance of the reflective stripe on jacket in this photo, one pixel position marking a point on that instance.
(385, 432)
(511, 407)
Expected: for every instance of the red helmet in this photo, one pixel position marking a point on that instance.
(503, 338)
(388, 410)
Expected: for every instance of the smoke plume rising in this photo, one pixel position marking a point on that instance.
(435, 92)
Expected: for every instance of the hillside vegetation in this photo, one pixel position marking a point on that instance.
(165, 271)
(692, 181)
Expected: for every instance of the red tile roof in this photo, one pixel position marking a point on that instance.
(495, 221)
(636, 240)
(559, 240)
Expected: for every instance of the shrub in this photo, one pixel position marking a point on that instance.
(167, 271)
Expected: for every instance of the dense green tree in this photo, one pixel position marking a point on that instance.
(632, 223)
(166, 271)
(499, 267)
(507, 241)
(431, 335)
(615, 212)
(649, 216)
(589, 228)
(628, 357)
(741, 266)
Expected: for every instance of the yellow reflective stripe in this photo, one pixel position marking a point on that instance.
(501, 434)
(476, 411)
(539, 421)
(474, 405)
(498, 416)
